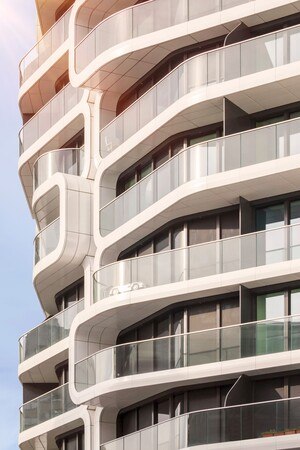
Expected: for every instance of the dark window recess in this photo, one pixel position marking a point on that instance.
(76, 141)
(195, 398)
(72, 440)
(175, 403)
(162, 69)
(70, 295)
(63, 8)
(62, 81)
(200, 315)
(62, 372)
(164, 152)
(189, 231)
(286, 212)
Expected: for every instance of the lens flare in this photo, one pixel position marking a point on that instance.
(15, 28)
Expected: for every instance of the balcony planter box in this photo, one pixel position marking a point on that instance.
(290, 431)
(268, 434)
(279, 433)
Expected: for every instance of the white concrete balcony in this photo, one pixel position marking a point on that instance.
(64, 160)
(113, 54)
(198, 162)
(180, 101)
(219, 345)
(198, 261)
(48, 333)
(267, 425)
(50, 42)
(47, 117)
(46, 407)
(141, 20)
(46, 241)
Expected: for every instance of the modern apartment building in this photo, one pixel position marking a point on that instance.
(160, 159)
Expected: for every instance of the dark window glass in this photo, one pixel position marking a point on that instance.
(145, 331)
(71, 443)
(161, 158)
(229, 224)
(295, 212)
(294, 382)
(202, 317)
(270, 217)
(178, 405)
(229, 312)
(146, 249)
(145, 170)
(202, 230)
(176, 147)
(203, 399)
(129, 422)
(130, 181)
(162, 242)
(177, 237)
(129, 336)
(163, 412)
(145, 415)
(162, 327)
(270, 121)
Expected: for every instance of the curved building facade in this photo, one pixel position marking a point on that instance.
(160, 159)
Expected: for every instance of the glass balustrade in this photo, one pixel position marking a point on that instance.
(46, 407)
(49, 332)
(141, 20)
(201, 160)
(46, 240)
(212, 426)
(198, 261)
(65, 160)
(217, 66)
(190, 349)
(45, 47)
(65, 100)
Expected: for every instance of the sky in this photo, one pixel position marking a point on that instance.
(19, 304)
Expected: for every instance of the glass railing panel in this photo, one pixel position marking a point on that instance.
(190, 349)
(219, 155)
(48, 44)
(198, 261)
(67, 160)
(217, 66)
(46, 407)
(49, 115)
(49, 332)
(47, 240)
(141, 20)
(226, 424)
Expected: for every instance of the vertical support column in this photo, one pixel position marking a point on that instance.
(88, 267)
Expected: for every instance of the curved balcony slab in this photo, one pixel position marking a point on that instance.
(212, 192)
(62, 266)
(122, 48)
(66, 160)
(46, 432)
(171, 104)
(98, 326)
(47, 118)
(197, 163)
(36, 353)
(236, 427)
(198, 261)
(236, 343)
(45, 407)
(66, 128)
(45, 49)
